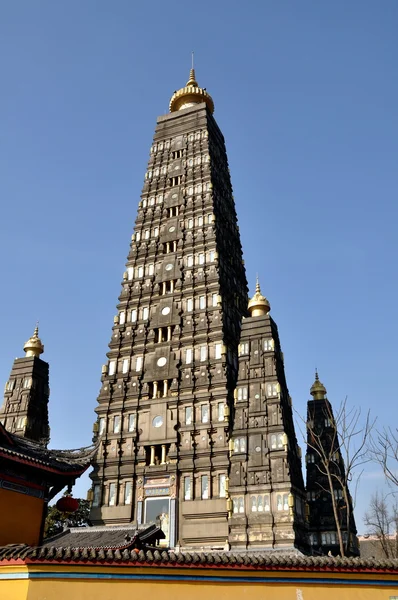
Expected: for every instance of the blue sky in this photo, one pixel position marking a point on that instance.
(306, 95)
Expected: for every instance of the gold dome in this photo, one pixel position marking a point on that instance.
(258, 305)
(34, 346)
(318, 390)
(191, 94)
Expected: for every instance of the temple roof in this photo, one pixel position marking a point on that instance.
(15, 447)
(106, 536)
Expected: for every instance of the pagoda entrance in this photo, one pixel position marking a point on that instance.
(158, 510)
(157, 504)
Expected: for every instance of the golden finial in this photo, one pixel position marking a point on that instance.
(192, 81)
(318, 390)
(258, 291)
(34, 346)
(258, 305)
(191, 94)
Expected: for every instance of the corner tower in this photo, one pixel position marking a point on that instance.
(266, 489)
(167, 388)
(327, 496)
(26, 393)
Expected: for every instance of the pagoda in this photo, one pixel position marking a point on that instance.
(327, 496)
(31, 475)
(194, 415)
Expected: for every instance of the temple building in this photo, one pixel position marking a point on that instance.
(328, 495)
(194, 415)
(31, 474)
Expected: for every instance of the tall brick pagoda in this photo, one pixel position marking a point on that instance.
(194, 414)
(323, 441)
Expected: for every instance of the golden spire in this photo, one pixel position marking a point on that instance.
(34, 346)
(190, 95)
(192, 81)
(258, 305)
(318, 390)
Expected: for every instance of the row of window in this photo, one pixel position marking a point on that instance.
(191, 162)
(135, 363)
(337, 493)
(27, 382)
(328, 538)
(201, 258)
(188, 495)
(201, 353)
(142, 314)
(116, 420)
(205, 413)
(268, 346)
(190, 260)
(128, 494)
(205, 493)
(146, 234)
(190, 223)
(160, 146)
(272, 391)
(278, 441)
(117, 423)
(261, 503)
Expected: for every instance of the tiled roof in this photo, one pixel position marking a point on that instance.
(105, 537)
(259, 561)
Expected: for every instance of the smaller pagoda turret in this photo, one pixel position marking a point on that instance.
(30, 474)
(266, 495)
(327, 497)
(26, 394)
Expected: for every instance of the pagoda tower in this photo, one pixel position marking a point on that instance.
(26, 394)
(323, 441)
(266, 483)
(168, 410)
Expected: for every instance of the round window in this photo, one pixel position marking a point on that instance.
(165, 310)
(258, 449)
(157, 421)
(162, 361)
(175, 196)
(172, 228)
(169, 266)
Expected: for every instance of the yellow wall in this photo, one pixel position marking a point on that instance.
(63, 584)
(20, 518)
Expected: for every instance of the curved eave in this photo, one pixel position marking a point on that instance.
(64, 463)
(63, 471)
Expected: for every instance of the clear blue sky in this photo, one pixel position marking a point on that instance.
(306, 95)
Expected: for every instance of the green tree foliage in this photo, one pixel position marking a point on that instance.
(56, 520)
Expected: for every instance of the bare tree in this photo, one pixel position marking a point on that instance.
(341, 448)
(381, 522)
(383, 449)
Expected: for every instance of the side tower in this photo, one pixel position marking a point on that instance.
(167, 389)
(25, 407)
(327, 498)
(266, 489)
